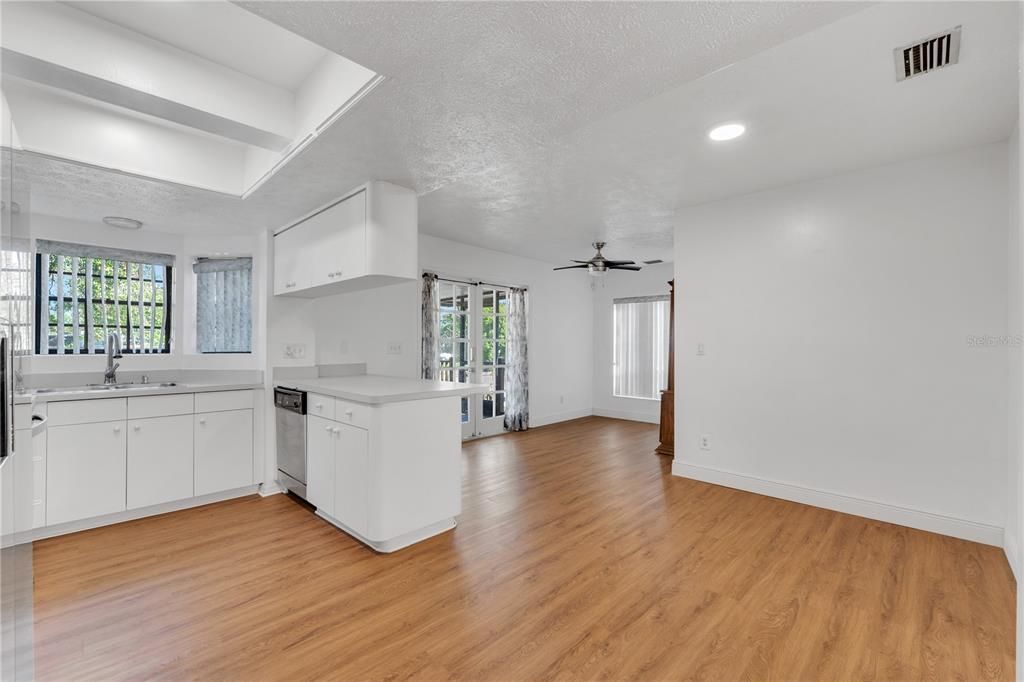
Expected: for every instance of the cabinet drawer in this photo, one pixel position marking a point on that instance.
(354, 414)
(147, 406)
(320, 406)
(221, 401)
(86, 411)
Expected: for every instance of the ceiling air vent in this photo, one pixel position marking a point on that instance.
(934, 52)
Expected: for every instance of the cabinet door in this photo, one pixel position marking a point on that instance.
(85, 471)
(343, 243)
(350, 476)
(160, 460)
(223, 451)
(320, 441)
(290, 273)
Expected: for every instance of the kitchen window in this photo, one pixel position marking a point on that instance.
(85, 292)
(223, 305)
(640, 368)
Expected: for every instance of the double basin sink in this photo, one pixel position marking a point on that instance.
(90, 388)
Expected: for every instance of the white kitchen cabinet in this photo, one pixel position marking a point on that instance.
(29, 462)
(85, 470)
(366, 238)
(160, 460)
(351, 477)
(320, 448)
(223, 451)
(291, 271)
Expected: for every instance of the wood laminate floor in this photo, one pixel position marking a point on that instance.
(577, 556)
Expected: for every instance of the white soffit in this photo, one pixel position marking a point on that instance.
(60, 55)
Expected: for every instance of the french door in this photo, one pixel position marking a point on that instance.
(473, 348)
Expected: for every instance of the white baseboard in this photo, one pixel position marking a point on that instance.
(131, 514)
(879, 511)
(1012, 551)
(270, 488)
(629, 416)
(544, 420)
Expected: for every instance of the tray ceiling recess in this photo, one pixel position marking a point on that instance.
(203, 94)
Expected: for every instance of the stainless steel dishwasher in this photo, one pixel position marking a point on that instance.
(291, 439)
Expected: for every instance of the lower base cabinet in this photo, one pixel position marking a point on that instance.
(337, 473)
(85, 472)
(351, 477)
(160, 461)
(223, 451)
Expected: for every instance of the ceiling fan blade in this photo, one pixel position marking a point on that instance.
(624, 267)
(570, 267)
(620, 262)
(585, 262)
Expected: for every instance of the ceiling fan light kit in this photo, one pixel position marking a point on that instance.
(599, 265)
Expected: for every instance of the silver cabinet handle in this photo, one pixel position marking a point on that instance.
(328, 429)
(137, 427)
(117, 429)
(202, 421)
(348, 413)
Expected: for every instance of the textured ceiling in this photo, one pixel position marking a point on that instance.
(535, 128)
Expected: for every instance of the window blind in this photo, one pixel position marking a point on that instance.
(85, 292)
(223, 305)
(640, 356)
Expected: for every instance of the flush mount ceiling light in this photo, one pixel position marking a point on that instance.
(123, 223)
(727, 131)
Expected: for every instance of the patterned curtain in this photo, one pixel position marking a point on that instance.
(224, 305)
(517, 399)
(430, 305)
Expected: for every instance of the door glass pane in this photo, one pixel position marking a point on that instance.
(503, 302)
(487, 377)
(500, 353)
(499, 379)
(488, 411)
(462, 376)
(488, 352)
(487, 301)
(461, 350)
(488, 326)
(461, 294)
(465, 411)
(445, 293)
(499, 404)
(461, 326)
(447, 325)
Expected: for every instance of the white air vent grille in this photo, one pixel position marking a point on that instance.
(934, 52)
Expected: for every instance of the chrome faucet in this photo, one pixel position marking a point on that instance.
(113, 353)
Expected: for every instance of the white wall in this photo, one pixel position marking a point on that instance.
(836, 315)
(185, 249)
(652, 280)
(357, 327)
(1015, 374)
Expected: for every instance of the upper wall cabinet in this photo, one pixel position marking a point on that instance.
(367, 238)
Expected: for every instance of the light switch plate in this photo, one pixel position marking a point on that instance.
(295, 351)
(394, 349)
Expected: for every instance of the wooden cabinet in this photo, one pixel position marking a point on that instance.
(366, 238)
(351, 477)
(85, 472)
(320, 448)
(223, 451)
(160, 460)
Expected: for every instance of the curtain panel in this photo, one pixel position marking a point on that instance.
(223, 305)
(430, 322)
(517, 396)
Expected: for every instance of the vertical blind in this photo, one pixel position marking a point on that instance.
(641, 346)
(223, 305)
(86, 292)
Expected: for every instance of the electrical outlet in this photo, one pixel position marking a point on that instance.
(705, 441)
(394, 349)
(700, 349)
(295, 351)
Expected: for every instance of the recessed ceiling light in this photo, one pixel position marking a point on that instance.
(727, 131)
(123, 223)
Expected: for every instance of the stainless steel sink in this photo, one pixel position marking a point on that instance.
(103, 387)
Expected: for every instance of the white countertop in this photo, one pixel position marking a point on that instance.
(376, 389)
(78, 393)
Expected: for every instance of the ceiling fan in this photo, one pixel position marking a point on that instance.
(598, 265)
